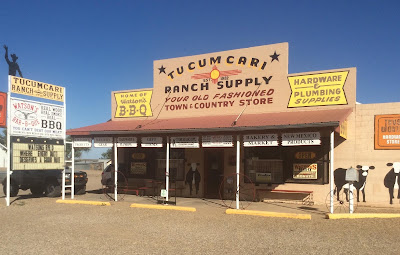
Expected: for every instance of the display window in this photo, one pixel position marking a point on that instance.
(150, 163)
(280, 164)
(176, 165)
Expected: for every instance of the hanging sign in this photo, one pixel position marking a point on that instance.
(103, 142)
(185, 142)
(258, 140)
(297, 139)
(82, 142)
(305, 155)
(318, 89)
(3, 109)
(36, 119)
(126, 142)
(305, 171)
(152, 142)
(36, 89)
(37, 154)
(217, 141)
(387, 132)
(343, 129)
(133, 104)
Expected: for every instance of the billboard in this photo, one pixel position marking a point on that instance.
(36, 89)
(36, 119)
(37, 154)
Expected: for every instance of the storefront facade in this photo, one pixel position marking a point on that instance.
(215, 114)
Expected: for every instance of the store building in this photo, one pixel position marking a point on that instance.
(239, 110)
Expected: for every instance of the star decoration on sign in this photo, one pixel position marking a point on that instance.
(162, 69)
(275, 57)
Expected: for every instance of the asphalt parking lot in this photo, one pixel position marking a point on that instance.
(39, 225)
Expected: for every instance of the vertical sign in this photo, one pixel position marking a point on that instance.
(3, 109)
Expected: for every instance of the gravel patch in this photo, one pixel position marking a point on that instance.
(41, 226)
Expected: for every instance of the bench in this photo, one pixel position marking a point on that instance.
(308, 200)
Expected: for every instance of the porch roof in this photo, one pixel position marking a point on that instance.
(246, 122)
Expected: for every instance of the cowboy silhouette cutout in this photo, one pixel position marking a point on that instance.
(13, 66)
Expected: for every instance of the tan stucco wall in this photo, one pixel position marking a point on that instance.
(365, 154)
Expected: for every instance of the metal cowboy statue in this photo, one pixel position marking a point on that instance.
(13, 66)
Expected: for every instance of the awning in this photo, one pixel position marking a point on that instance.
(282, 120)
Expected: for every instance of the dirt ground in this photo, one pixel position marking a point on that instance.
(39, 225)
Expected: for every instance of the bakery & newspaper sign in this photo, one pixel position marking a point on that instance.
(36, 119)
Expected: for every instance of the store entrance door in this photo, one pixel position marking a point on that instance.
(214, 170)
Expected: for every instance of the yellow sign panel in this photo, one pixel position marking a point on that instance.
(36, 89)
(133, 104)
(318, 89)
(343, 129)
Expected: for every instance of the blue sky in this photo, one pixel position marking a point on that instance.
(95, 47)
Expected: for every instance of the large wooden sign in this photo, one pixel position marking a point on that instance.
(225, 81)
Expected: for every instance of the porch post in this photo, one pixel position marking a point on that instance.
(9, 172)
(116, 170)
(167, 171)
(331, 166)
(237, 170)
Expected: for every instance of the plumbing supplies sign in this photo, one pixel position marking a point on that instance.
(318, 89)
(37, 154)
(36, 119)
(133, 104)
(3, 109)
(36, 89)
(387, 132)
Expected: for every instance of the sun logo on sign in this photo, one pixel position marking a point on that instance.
(215, 74)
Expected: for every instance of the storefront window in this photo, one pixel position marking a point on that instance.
(279, 164)
(176, 165)
(263, 165)
(140, 162)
